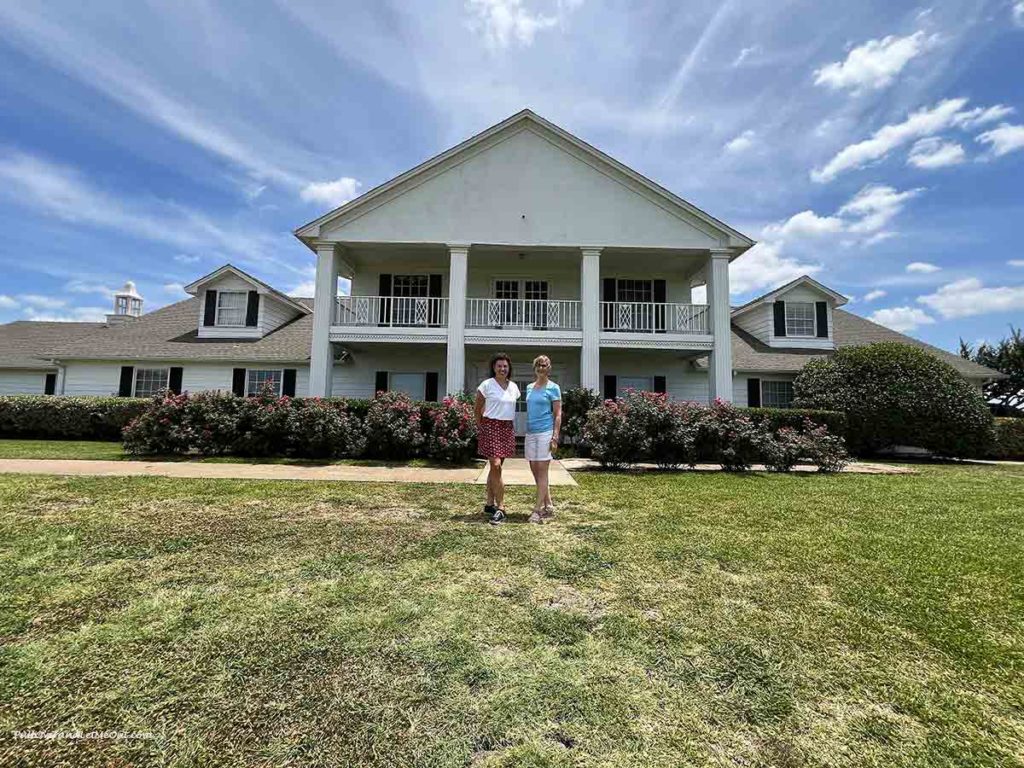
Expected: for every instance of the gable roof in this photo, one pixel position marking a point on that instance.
(171, 333)
(772, 295)
(27, 343)
(231, 269)
(310, 231)
(752, 355)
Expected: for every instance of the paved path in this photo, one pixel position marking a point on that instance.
(517, 471)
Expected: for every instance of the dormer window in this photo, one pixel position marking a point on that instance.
(231, 308)
(800, 318)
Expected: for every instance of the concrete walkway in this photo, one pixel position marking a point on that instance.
(517, 471)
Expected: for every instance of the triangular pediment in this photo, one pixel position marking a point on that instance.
(524, 182)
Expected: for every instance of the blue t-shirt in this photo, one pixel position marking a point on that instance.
(540, 415)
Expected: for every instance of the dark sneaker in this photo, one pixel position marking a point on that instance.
(497, 517)
(489, 509)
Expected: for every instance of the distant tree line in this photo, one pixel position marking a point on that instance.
(1005, 396)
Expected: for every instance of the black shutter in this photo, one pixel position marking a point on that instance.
(430, 394)
(174, 383)
(821, 310)
(610, 385)
(660, 385)
(608, 294)
(238, 381)
(210, 312)
(125, 387)
(659, 312)
(252, 310)
(50, 387)
(753, 393)
(434, 307)
(779, 308)
(381, 382)
(384, 289)
(288, 383)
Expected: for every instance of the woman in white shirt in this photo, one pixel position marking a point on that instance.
(496, 435)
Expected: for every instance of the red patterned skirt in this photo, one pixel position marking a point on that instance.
(496, 439)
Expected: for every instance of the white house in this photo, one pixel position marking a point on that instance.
(522, 239)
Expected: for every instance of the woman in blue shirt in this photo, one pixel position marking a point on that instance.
(543, 422)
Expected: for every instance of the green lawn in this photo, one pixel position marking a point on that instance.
(673, 619)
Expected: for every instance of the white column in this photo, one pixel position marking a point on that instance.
(458, 264)
(590, 304)
(720, 362)
(321, 356)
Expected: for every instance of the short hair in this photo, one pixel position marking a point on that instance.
(541, 359)
(502, 356)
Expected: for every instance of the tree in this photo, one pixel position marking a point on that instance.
(1006, 396)
(895, 394)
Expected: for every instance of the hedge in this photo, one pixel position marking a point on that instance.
(1009, 442)
(45, 417)
(794, 418)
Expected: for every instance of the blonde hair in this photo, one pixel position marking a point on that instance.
(541, 359)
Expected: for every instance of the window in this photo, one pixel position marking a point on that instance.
(149, 381)
(412, 384)
(256, 380)
(799, 318)
(777, 394)
(634, 290)
(231, 306)
(639, 383)
(410, 285)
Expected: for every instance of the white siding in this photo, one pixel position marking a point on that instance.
(682, 380)
(357, 377)
(89, 378)
(274, 313)
(16, 382)
(758, 322)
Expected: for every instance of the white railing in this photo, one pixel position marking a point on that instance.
(651, 317)
(397, 311)
(523, 314)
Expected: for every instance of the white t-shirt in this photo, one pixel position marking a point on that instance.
(499, 403)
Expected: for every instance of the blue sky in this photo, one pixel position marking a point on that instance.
(878, 146)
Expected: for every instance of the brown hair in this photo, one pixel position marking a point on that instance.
(501, 356)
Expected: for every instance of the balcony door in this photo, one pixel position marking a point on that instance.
(633, 304)
(519, 302)
(405, 300)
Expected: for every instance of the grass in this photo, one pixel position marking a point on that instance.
(690, 619)
(111, 451)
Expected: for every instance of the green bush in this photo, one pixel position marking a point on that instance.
(896, 394)
(1009, 442)
(45, 417)
(577, 402)
(775, 419)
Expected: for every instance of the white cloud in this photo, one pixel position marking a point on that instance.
(806, 224)
(1018, 13)
(967, 297)
(80, 286)
(876, 205)
(186, 258)
(974, 118)
(741, 143)
(1004, 139)
(933, 153)
(332, 193)
(924, 122)
(902, 319)
(922, 268)
(176, 288)
(503, 22)
(42, 302)
(6, 302)
(745, 54)
(879, 237)
(70, 314)
(764, 266)
(878, 293)
(874, 64)
(1016, 262)
(305, 289)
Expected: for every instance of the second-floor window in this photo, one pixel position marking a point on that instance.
(799, 318)
(231, 307)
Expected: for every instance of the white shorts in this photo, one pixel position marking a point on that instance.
(538, 446)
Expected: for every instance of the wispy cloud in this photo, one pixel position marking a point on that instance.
(745, 54)
(1004, 139)
(901, 319)
(933, 152)
(741, 143)
(878, 293)
(332, 193)
(504, 22)
(1017, 12)
(875, 64)
(968, 297)
(921, 268)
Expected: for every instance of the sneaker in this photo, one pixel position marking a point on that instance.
(489, 509)
(536, 517)
(498, 516)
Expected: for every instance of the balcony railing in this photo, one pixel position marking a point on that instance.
(523, 314)
(651, 317)
(392, 311)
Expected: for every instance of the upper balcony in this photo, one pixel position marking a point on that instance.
(424, 319)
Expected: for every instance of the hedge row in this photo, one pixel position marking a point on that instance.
(44, 417)
(1009, 442)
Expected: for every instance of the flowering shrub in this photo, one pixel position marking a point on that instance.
(616, 437)
(320, 430)
(159, 429)
(393, 429)
(577, 402)
(825, 450)
(731, 437)
(453, 431)
(780, 452)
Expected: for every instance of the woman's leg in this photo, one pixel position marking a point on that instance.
(497, 487)
(535, 469)
(543, 488)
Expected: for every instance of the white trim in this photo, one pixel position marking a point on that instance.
(814, 320)
(261, 287)
(245, 310)
(838, 298)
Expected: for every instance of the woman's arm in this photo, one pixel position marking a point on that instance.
(478, 407)
(556, 409)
